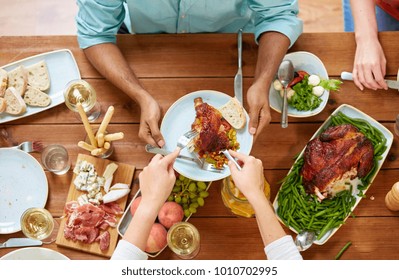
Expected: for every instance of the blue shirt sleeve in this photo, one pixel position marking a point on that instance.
(279, 16)
(98, 21)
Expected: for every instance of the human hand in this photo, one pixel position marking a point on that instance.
(369, 65)
(157, 179)
(149, 119)
(259, 110)
(250, 180)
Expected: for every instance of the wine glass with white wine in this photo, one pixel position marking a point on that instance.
(38, 223)
(184, 240)
(80, 91)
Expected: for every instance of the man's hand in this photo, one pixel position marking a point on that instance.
(259, 110)
(149, 119)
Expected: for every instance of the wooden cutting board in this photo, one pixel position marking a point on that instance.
(124, 174)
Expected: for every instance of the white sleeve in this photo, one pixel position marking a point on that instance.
(283, 249)
(127, 251)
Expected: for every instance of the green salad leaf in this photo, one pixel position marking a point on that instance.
(304, 99)
(331, 84)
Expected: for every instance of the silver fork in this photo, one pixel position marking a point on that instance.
(199, 161)
(186, 138)
(29, 146)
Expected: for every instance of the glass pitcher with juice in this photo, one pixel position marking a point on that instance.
(236, 201)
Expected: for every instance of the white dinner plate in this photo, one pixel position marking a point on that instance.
(354, 113)
(32, 253)
(23, 184)
(310, 63)
(178, 120)
(62, 68)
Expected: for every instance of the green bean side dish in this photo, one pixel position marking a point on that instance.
(303, 211)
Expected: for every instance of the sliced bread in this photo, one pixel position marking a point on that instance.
(233, 112)
(35, 97)
(15, 103)
(18, 79)
(2, 105)
(3, 81)
(38, 76)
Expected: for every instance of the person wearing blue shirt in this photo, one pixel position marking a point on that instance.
(275, 25)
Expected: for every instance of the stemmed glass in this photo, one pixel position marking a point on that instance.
(80, 91)
(38, 223)
(184, 240)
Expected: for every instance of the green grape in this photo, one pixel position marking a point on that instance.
(192, 195)
(201, 186)
(184, 199)
(192, 187)
(171, 197)
(204, 194)
(194, 199)
(178, 199)
(186, 180)
(181, 177)
(200, 201)
(178, 182)
(187, 213)
(185, 206)
(194, 205)
(192, 210)
(176, 189)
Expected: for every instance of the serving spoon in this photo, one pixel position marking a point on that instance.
(285, 75)
(304, 240)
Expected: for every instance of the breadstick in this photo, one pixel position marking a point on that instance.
(86, 124)
(100, 140)
(107, 145)
(86, 146)
(114, 136)
(97, 151)
(106, 120)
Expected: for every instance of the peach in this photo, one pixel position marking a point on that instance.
(157, 239)
(170, 213)
(134, 205)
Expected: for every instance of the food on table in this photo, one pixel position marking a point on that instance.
(170, 213)
(392, 198)
(215, 133)
(87, 180)
(305, 91)
(3, 81)
(3, 105)
(18, 79)
(157, 239)
(99, 142)
(36, 98)
(15, 105)
(303, 211)
(233, 113)
(189, 193)
(38, 76)
(29, 83)
(339, 154)
(88, 223)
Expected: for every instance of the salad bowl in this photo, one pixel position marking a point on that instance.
(302, 61)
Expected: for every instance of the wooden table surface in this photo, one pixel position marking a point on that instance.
(170, 66)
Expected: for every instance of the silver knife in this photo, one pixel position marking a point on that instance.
(238, 78)
(20, 242)
(155, 150)
(391, 83)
